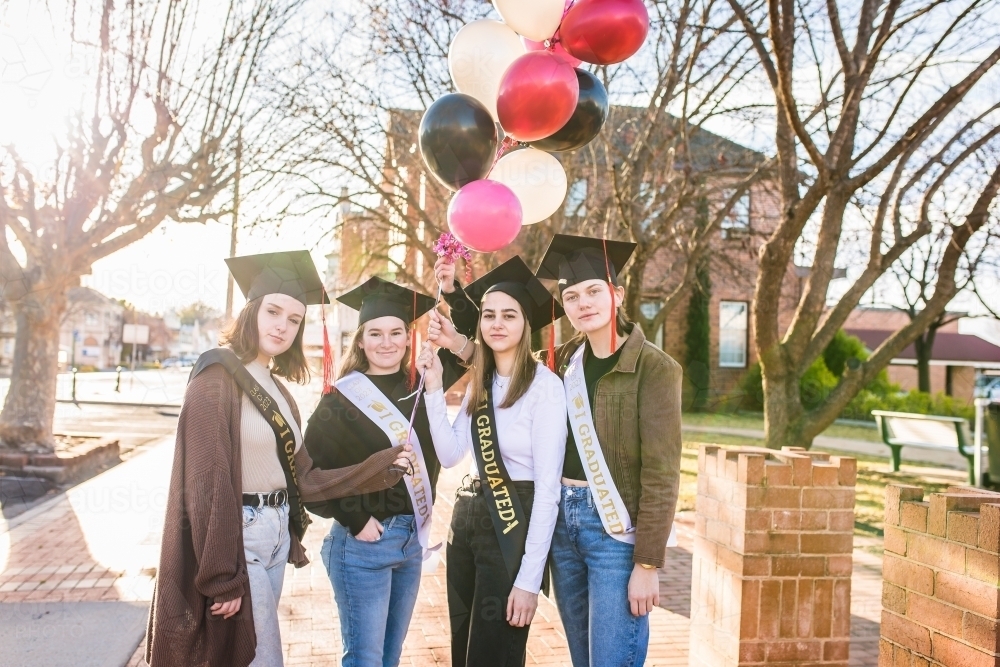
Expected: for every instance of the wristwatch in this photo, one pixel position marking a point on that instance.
(645, 566)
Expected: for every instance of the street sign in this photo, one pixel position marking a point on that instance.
(137, 334)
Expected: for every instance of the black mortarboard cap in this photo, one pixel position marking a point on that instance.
(574, 259)
(379, 298)
(515, 279)
(292, 273)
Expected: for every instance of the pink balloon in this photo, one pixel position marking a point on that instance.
(538, 95)
(556, 48)
(485, 215)
(604, 32)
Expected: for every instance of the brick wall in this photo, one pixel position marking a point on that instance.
(940, 591)
(771, 577)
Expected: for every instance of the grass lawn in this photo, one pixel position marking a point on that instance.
(755, 420)
(874, 475)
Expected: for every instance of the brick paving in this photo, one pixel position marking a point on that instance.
(85, 547)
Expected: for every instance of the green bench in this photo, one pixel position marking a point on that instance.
(905, 429)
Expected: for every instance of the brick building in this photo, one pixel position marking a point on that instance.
(957, 358)
(395, 240)
(91, 331)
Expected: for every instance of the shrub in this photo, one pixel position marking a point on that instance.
(820, 379)
(913, 401)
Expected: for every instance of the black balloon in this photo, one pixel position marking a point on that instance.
(458, 140)
(587, 120)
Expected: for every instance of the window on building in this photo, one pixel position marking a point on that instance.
(737, 220)
(576, 198)
(733, 317)
(91, 319)
(651, 309)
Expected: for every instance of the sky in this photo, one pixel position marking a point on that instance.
(41, 82)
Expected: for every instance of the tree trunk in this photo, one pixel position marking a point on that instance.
(924, 348)
(783, 413)
(26, 419)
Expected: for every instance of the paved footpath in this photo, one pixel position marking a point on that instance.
(76, 577)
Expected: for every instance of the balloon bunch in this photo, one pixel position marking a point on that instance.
(522, 73)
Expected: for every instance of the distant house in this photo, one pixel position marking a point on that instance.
(957, 358)
(91, 331)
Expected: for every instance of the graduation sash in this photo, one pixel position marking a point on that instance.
(366, 397)
(268, 407)
(610, 506)
(509, 519)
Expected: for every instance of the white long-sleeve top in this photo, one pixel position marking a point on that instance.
(531, 435)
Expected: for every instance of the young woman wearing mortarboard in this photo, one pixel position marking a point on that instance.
(504, 516)
(374, 552)
(240, 477)
(622, 467)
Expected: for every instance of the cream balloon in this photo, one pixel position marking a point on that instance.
(478, 57)
(535, 19)
(537, 178)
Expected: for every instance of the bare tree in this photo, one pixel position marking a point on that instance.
(183, 70)
(359, 94)
(867, 135)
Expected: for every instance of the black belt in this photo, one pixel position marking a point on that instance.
(259, 500)
(472, 486)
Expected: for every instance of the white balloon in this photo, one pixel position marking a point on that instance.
(478, 57)
(535, 19)
(537, 178)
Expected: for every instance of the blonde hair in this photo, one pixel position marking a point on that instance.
(484, 365)
(356, 360)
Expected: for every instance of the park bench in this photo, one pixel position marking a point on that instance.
(905, 429)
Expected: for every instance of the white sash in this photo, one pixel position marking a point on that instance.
(367, 398)
(610, 507)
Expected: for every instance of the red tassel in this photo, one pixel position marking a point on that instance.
(413, 346)
(327, 353)
(614, 309)
(552, 339)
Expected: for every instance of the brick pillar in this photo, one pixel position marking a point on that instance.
(771, 576)
(940, 589)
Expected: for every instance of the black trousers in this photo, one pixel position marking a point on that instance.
(478, 586)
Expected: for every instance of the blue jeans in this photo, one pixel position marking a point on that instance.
(265, 545)
(375, 585)
(590, 575)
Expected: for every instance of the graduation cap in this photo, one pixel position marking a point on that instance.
(379, 298)
(291, 273)
(574, 259)
(515, 279)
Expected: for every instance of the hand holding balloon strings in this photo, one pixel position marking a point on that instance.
(448, 248)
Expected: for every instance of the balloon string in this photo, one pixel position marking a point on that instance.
(505, 145)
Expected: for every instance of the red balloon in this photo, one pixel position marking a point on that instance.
(555, 47)
(604, 32)
(538, 95)
(485, 215)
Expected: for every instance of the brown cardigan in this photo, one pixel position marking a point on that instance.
(201, 556)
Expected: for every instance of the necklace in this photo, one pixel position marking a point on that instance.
(501, 385)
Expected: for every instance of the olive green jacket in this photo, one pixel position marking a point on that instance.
(637, 412)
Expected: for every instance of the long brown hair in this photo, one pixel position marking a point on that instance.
(355, 359)
(243, 337)
(484, 365)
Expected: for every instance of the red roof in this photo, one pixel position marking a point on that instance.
(947, 347)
